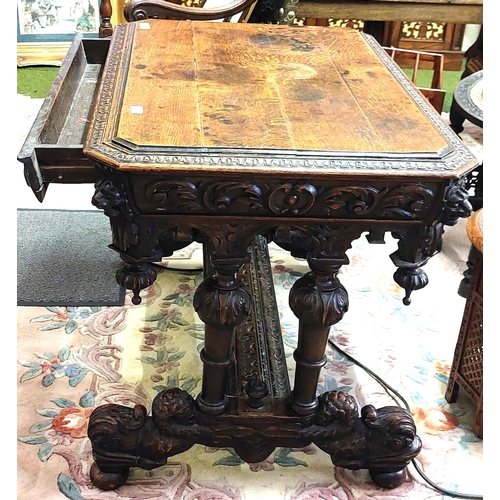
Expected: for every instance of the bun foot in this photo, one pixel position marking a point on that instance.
(388, 479)
(107, 480)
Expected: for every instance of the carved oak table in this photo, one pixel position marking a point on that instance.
(236, 135)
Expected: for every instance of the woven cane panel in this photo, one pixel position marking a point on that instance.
(471, 365)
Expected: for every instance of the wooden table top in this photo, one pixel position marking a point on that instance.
(475, 230)
(177, 93)
(469, 97)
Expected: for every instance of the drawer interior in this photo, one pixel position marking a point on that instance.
(53, 148)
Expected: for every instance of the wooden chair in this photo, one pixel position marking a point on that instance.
(136, 10)
(416, 60)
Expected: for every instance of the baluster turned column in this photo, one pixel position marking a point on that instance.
(222, 301)
(319, 300)
(105, 12)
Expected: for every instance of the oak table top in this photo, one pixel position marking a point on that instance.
(263, 99)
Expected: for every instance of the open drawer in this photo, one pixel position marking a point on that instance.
(53, 150)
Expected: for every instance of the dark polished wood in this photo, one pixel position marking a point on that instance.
(468, 105)
(468, 102)
(439, 11)
(473, 64)
(235, 135)
(105, 12)
(136, 10)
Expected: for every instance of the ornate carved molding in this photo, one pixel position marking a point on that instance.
(260, 351)
(376, 200)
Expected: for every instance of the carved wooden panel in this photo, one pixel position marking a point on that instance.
(445, 38)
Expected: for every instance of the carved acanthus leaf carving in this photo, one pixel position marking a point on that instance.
(174, 194)
(318, 303)
(290, 199)
(217, 306)
(221, 196)
(321, 240)
(403, 201)
(354, 199)
(408, 201)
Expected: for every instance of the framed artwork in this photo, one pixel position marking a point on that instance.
(45, 28)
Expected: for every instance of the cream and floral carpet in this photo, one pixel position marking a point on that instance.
(72, 359)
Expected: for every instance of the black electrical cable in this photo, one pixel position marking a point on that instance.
(403, 400)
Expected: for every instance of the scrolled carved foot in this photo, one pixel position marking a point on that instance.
(107, 481)
(382, 440)
(124, 437)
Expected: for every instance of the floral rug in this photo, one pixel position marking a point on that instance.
(71, 360)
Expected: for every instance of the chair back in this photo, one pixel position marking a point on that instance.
(136, 10)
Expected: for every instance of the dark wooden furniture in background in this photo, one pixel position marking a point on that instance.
(429, 36)
(135, 10)
(468, 105)
(416, 60)
(235, 135)
(448, 11)
(462, 107)
(425, 25)
(467, 369)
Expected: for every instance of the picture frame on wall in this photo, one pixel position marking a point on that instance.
(45, 28)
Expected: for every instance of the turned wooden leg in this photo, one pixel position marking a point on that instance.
(319, 300)
(464, 287)
(105, 12)
(457, 119)
(222, 301)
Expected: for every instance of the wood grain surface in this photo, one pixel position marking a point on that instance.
(210, 85)
(475, 229)
(438, 11)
